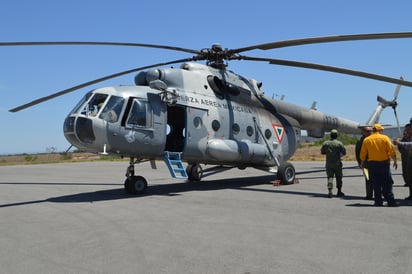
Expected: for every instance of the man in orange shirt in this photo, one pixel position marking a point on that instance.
(378, 149)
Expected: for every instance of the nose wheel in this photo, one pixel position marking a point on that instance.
(134, 184)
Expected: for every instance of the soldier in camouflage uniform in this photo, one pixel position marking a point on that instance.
(334, 150)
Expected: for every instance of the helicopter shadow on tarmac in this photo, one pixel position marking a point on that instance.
(169, 189)
(179, 188)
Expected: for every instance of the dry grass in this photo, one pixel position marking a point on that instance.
(307, 152)
(25, 159)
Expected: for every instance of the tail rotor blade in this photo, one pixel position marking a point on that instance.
(397, 121)
(398, 88)
(395, 104)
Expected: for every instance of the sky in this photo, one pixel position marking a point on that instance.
(27, 73)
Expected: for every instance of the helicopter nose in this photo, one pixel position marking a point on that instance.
(79, 132)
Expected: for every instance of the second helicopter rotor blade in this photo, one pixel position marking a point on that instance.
(330, 69)
(325, 39)
(92, 43)
(65, 91)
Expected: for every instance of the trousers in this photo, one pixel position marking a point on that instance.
(380, 176)
(334, 171)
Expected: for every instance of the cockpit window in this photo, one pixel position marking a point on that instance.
(81, 103)
(139, 115)
(94, 105)
(111, 111)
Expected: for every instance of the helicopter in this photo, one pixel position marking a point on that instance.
(201, 114)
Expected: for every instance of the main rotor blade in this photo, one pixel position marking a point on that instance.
(329, 68)
(60, 93)
(325, 39)
(91, 43)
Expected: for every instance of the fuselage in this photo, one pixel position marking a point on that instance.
(210, 116)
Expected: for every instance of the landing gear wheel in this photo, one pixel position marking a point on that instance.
(135, 185)
(286, 173)
(194, 172)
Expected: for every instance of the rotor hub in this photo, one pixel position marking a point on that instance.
(216, 56)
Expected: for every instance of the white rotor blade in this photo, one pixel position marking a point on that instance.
(398, 88)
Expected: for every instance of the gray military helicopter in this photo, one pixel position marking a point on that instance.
(200, 113)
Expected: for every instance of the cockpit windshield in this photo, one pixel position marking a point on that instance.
(94, 105)
(106, 107)
(81, 103)
(90, 104)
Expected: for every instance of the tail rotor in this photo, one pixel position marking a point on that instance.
(382, 104)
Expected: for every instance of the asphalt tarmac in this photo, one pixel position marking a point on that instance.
(77, 218)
